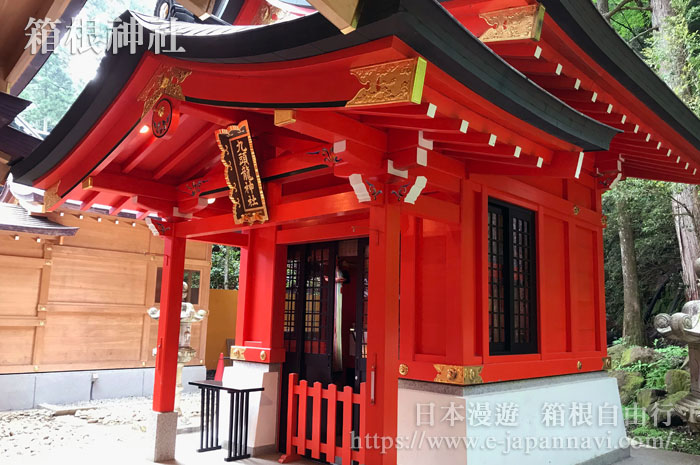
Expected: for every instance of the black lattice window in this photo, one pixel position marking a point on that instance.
(365, 300)
(497, 320)
(511, 272)
(317, 300)
(294, 261)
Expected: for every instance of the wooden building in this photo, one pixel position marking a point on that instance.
(417, 196)
(76, 285)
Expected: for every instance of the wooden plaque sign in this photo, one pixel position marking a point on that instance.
(241, 172)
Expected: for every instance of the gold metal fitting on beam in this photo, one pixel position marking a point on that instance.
(284, 117)
(403, 369)
(460, 375)
(520, 23)
(238, 353)
(392, 82)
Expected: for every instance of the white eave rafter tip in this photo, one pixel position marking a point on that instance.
(432, 109)
(464, 127)
(540, 161)
(579, 165)
(516, 154)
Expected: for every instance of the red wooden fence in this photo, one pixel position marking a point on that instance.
(299, 441)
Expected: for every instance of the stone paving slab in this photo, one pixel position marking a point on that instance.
(649, 456)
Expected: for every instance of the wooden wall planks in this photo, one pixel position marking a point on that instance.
(80, 302)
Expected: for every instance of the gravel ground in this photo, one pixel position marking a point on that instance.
(26, 433)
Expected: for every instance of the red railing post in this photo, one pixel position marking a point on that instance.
(301, 428)
(331, 423)
(316, 421)
(362, 422)
(347, 426)
(297, 422)
(292, 410)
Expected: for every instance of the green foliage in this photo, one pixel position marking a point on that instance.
(633, 25)
(654, 373)
(672, 357)
(649, 205)
(64, 75)
(674, 439)
(218, 265)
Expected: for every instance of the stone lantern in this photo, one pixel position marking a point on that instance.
(684, 326)
(185, 352)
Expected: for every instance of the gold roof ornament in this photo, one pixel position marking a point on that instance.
(392, 82)
(166, 81)
(518, 23)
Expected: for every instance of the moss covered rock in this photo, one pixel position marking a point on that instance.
(634, 354)
(615, 353)
(677, 381)
(646, 397)
(628, 383)
(662, 412)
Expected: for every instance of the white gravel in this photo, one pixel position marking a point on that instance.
(26, 433)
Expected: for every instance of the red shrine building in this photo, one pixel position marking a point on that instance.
(415, 187)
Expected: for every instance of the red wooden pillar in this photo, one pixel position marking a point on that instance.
(261, 295)
(382, 330)
(169, 324)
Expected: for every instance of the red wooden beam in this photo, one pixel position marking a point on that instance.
(332, 127)
(515, 49)
(231, 239)
(426, 124)
(163, 207)
(141, 153)
(336, 204)
(324, 232)
(215, 115)
(89, 201)
(129, 185)
(362, 158)
(434, 209)
(192, 146)
(533, 66)
(556, 82)
(412, 158)
(119, 206)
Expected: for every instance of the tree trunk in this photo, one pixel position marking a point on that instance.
(686, 213)
(632, 327)
(673, 55)
(226, 255)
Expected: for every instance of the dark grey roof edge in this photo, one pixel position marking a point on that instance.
(422, 24)
(14, 218)
(583, 23)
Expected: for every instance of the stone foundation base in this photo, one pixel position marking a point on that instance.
(563, 420)
(162, 431)
(262, 416)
